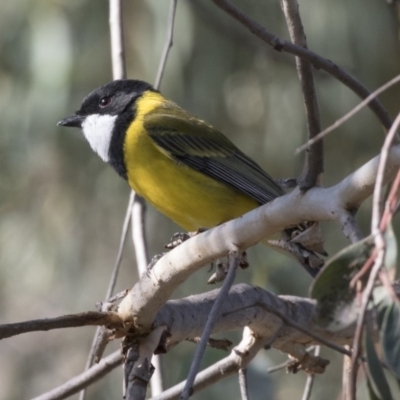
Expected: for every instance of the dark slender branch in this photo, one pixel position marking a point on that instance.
(85, 379)
(66, 321)
(350, 114)
(168, 44)
(280, 44)
(214, 314)
(314, 161)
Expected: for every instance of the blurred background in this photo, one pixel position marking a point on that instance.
(61, 208)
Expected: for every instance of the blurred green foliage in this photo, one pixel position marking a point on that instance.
(61, 208)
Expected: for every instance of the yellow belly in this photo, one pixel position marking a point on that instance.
(190, 198)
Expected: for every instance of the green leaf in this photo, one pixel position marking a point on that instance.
(336, 305)
(390, 337)
(375, 370)
(371, 392)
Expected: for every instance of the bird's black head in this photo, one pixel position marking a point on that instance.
(105, 116)
(111, 99)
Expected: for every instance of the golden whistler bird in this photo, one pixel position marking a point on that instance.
(184, 167)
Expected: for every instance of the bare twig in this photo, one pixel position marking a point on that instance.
(314, 162)
(214, 314)
(117, 40)
(85, 379)
(122, 242)
(139, 234)
(380, 255)
(376, 210)
(242, 375)
(101, 336)
(119, 72)
(91, 318)
(168, 43)
(280, 44)
(350, 114)
(238, 359)
(310, 378)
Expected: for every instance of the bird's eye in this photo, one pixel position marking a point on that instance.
(104, 101)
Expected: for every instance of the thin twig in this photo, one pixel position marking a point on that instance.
(380, 250)
(350, 114)
(243, 384)
(379, 260)
(117, 40)
(101, 336)
(310, 378)
(280, 44)
(139, 233)
(168, 44)
(122, 242)
(214, 314)
(314, 161)
(119, 72)
(351, 389)
(376, 210)
(91, 318)
(220, 370)
(85, 379)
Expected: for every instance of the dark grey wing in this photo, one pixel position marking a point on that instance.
(197, 145)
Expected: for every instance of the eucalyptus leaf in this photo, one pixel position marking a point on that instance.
(390, 337)
(371, 393)
(375, 370)
(336, 306)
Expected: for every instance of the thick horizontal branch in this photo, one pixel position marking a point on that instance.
(257, 309)
(318, 204)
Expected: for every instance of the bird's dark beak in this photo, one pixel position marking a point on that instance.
(74, 121)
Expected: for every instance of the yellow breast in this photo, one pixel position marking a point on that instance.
(190, 198)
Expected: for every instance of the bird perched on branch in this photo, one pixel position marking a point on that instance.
(184, 167)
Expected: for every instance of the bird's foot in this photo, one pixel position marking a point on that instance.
(154, 261)
(180, 237)
(222, 268)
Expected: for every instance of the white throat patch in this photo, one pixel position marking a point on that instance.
(97, 130)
